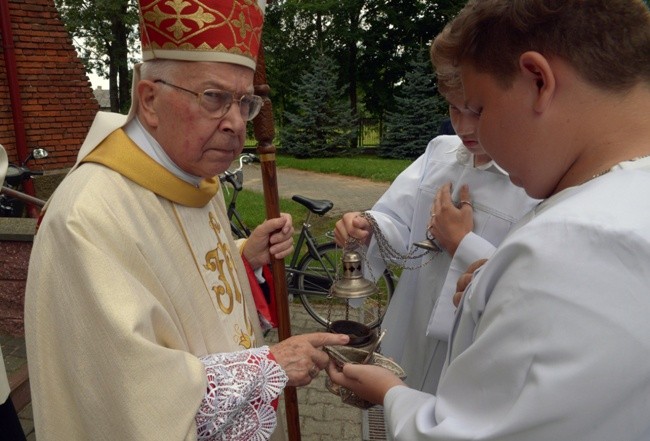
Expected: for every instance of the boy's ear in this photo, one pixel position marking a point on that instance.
(146, 91)
(536, 68)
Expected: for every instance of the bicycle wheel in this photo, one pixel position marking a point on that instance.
(315, 278)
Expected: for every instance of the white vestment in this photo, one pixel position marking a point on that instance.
(424, 293)
(138, 309)
(552, 341)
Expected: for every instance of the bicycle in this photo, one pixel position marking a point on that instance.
(311, 274)
(12, 199)
(236, 179)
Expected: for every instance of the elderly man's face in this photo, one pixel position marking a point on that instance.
(195, 140)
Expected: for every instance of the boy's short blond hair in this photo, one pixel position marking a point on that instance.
(447, 75)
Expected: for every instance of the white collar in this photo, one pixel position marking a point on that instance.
(465, 157)
(151, 147)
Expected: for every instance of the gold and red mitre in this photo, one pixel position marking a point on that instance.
(228, 31)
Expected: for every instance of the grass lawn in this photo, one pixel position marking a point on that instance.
(367, 166)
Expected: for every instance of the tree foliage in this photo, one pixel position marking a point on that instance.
(371, 42)
(103, 32)
(322, 124)
(396, 29)
(418, 116)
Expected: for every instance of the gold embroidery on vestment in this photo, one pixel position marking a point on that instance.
(227, 297)
(242, 339)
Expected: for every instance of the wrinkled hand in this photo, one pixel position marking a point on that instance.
(450, 224)
(352, 225)
(465, 279)
(302, 356)
(272, 237)
(369, 382)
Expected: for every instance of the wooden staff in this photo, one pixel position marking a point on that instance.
(264, 133)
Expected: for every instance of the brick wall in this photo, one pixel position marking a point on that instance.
(57, 98)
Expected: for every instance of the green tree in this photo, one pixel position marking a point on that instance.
(348, 25)
(371, 42)
(420, 111)
(294, 30)
(323, 124)
(103, 32)
(395, 32)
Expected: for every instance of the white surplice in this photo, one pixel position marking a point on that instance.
(402, 214)
(553, 339)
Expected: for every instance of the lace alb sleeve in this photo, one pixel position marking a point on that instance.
(239, 401)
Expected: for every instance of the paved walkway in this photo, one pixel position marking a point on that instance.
(348, 194)
(322, 415)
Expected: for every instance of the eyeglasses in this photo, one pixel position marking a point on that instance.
(218, 102)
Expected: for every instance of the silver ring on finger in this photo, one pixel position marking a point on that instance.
(313, 372)
(467, 203)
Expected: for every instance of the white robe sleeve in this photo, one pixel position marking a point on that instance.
(471, 248)
(238, 404)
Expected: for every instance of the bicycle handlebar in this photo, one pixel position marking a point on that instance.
(236, 177)
(248, 158)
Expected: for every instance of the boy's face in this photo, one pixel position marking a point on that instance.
(464, 123)
(507, 129)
